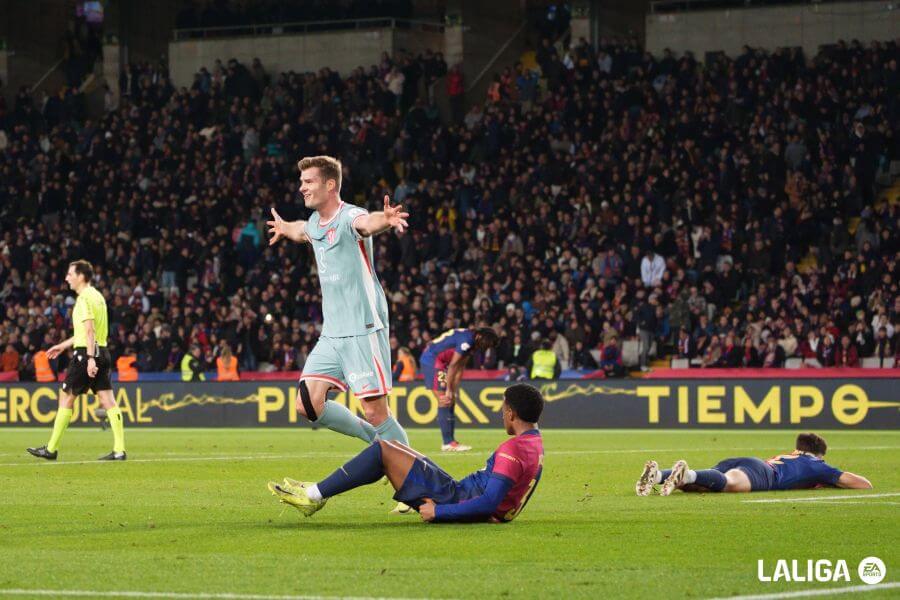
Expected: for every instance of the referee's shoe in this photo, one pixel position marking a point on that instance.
(113, 456)
(42, 452)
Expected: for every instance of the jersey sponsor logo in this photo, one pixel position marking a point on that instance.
(320, 260)
(330, 235)
(357, 376)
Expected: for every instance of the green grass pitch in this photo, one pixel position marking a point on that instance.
(189, 513)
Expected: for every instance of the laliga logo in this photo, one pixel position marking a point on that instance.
(354, 376)
(871, 570)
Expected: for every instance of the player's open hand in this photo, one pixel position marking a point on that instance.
(277, 228)
(426, 511)
(54, 351)
(395, 216)
(92, 368)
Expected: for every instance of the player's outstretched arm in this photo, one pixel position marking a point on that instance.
(392, 217)
(851, 481)
(292, 230)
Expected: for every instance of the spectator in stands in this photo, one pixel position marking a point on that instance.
(614, 159)
(686, 347)
(749, 354)
(581, 358)
(405, 367)
(883, 347)
(772, 355)
(455, 93)
(543, 363)
(846, 355)
(9, 360)
(653, 268)
(611, 358)
(191, 365)
(826, 352)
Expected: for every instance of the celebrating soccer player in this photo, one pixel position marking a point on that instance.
(443, 363)
(90, 366)
(801, 469)
(353, 350)
(496, 493)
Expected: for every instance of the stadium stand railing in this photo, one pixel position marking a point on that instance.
(303, 27)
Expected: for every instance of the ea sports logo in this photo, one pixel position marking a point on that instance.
(871, 570)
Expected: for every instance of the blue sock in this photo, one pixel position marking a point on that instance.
(664, 474)
(390, 429)
(446, 421)
(711, 479)
(364, 469)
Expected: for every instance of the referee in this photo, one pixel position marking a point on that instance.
(90, 366)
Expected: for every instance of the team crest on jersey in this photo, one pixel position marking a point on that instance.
(330, 235)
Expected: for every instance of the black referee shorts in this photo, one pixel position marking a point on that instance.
(77, 381)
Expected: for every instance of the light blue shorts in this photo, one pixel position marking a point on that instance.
(360, 363)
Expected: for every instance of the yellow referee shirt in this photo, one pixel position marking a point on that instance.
(90, 305)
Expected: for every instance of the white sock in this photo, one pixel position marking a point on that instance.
(314, 494)
(659, 477)
(690, 476)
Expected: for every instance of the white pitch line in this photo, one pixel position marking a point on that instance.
(717, 449)
(821, 498)
(839, 503)
(442, 456)
(201, 595)
(174, 459)
(821, 592)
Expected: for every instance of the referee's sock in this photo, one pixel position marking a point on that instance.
(114, 415)
(364, 469)
(63, 416)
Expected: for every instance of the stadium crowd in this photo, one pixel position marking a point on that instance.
(726, 214)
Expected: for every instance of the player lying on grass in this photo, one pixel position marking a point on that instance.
(497, 493)
(803, 468)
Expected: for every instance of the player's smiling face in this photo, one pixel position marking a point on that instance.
(314, 189)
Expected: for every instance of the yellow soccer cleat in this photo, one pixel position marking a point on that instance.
(293, 483)
(403, 509)
(295, 494)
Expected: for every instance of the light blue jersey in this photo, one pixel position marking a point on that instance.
(353, 302)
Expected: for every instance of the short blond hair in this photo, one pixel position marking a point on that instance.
(329, 167)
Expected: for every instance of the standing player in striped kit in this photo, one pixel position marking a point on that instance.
(353, 350)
